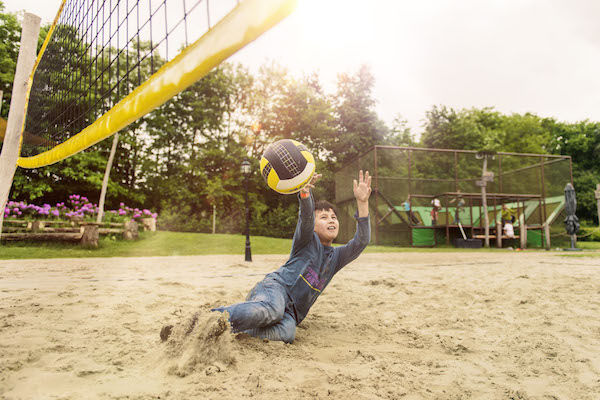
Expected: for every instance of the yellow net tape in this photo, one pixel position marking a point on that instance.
(244, 24)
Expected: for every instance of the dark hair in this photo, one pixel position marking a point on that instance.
(324, 205)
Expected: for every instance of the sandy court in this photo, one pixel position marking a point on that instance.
(498, 325)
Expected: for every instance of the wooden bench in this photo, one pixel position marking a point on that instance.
(85, 233)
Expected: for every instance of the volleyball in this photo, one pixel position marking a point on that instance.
(287, 166)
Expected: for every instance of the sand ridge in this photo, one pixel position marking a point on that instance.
(498, 325)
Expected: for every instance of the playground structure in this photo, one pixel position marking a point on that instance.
(407, 179)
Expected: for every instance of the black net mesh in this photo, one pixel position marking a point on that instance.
(521, 174)
(557, 173)
(101, 50)
(344, 194)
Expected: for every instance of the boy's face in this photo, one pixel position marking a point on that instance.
(326, 226)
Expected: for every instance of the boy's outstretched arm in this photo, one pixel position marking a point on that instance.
(362, 191)
(306, 219)
(362, 237)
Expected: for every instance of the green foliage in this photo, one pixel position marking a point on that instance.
(582, 142)
(484, 129)
(276, 222)
(358, 126)
(10, 37)
(184, 157)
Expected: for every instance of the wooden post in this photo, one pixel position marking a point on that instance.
(109, 164)
(499, 233)
(16, 115)
(149, 224)
(597, 193)
(38, 226)
(547, 235)
(1, 98)
(131, 230)
(214, 226)
(90, 235)
(523, 230)
(447, 222)
(484, 203)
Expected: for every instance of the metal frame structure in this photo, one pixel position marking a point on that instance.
(496, 198)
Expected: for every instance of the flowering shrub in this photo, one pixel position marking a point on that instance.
(75, 208)
(23, 210)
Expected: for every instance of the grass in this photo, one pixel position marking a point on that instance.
(586, 246)
(589, 245)
(150, 244)
(186, 244)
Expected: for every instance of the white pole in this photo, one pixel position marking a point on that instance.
(109, 164)
(1, 98)
(30, 30)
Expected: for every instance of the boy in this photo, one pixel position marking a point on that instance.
(282, 299)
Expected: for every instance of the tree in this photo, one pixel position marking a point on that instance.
(10, 35)
(358, 126)
(581, 141)
(400, 133)
(446, 128)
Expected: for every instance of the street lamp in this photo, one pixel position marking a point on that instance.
(246, 171)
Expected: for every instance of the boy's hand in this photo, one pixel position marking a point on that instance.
(305, 191)
(362, 188)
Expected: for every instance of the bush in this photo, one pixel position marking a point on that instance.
(588, 233)
(176, 219)
(279, 222)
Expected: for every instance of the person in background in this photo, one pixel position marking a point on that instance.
(460, 203)
(508, 219)
(411, 215)
(436, 207)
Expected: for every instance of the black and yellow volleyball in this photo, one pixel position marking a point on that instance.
(287, 166)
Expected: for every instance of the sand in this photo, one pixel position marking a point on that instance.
(498, 325)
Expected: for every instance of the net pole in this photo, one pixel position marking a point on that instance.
(30, 30)
(109, 164)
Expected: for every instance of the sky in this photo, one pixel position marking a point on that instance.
(517, 56)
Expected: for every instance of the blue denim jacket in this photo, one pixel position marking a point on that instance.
(312, 265)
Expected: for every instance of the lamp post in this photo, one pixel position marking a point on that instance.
(246, 171)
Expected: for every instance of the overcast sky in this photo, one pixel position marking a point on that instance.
(540, 56)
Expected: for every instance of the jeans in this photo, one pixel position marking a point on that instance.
(263, 313)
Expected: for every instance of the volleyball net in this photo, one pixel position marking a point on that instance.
(106, 63)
